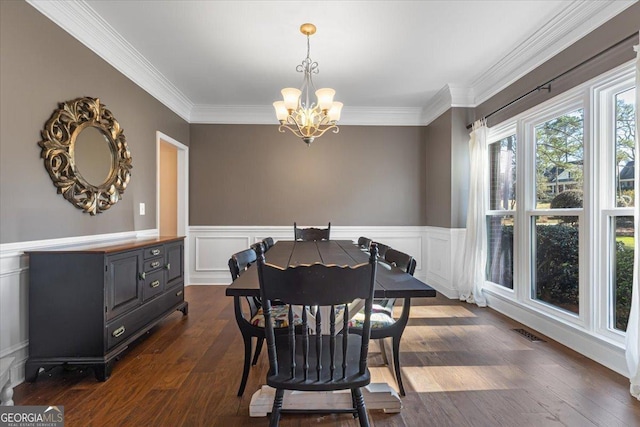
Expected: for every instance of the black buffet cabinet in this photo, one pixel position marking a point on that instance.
(86, 306)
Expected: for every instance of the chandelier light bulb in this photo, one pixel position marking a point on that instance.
(334, 112)
(281, 111)
(291, 96)
(325, 98)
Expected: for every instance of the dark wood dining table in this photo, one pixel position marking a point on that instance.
(391, 282)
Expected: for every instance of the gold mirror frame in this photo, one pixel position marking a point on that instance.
(58, 145)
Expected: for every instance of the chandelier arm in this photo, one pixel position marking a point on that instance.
(293, 131)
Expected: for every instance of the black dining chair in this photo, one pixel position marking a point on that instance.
(325, 360)
(382, 249)
(251, 325)
(267, 243)
(260, 244)
(309, 234)
(364, 242)
(383, 324)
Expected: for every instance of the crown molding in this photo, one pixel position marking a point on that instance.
(577, 20)
(448, 97)
(264, 115)
(82, 22)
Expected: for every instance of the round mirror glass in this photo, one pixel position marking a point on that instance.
(92, 155)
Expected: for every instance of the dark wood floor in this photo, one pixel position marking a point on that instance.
(462, 366)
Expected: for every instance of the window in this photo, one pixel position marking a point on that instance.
(619, 128)
(559, 148)
(560, 223)
(502, 205)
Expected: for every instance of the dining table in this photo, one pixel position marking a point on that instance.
(391, 282)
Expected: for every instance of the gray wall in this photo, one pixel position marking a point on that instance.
(40, 66)
(625, 24)
(447, 169)
(254, 175)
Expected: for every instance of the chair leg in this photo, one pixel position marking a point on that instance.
(259, 343)
(354, 404)
(277, 408)
(396, 363)
(362, 410)
(383, 352)
(247, 360)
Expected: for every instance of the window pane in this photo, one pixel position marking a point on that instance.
(623, 277)
(559, 156)
(500, 250)
(556, 261)
(625, 147)
(502, 171)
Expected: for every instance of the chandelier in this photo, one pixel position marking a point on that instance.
(297, 113)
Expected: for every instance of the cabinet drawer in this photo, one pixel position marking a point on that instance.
(121, 329)
(153, 251)
(173, 296)
(153, 284)
(153, 264)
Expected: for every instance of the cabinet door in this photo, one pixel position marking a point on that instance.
(123, 284)
(175, 261)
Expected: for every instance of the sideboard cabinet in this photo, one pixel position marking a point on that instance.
(87, 305)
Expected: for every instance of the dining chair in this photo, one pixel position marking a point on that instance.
(309, 234)
(382, 249)
(364, 242)
(267, 243)
(325, 360)
(251, 325)
(383, 324)
(258, 244)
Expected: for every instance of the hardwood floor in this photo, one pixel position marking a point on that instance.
(462, 366)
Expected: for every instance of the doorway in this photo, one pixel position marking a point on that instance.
(172, 190)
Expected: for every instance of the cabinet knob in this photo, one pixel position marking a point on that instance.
(168, 266)
(142, 275)
(155, 264)
(155, 252)
(155, 283)
(178, 293)
(118, 332)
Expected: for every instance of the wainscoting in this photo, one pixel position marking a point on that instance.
(434, 249)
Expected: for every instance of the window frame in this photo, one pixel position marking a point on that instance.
(565, 103)
(609, 85)
(494, 135)
(595, 291)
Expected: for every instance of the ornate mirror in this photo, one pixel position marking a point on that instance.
(86, 154)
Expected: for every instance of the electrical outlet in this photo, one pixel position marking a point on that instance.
(141, 208)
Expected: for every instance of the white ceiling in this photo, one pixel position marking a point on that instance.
(391, 62)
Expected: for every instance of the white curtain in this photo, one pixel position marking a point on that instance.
(474, 260)
(633, 334)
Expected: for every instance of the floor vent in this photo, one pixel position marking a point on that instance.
(528, 335)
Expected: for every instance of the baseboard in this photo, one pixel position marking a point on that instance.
(607, 353)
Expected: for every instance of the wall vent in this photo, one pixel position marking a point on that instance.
(528, 335)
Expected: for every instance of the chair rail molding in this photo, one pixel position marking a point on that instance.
(14, 288)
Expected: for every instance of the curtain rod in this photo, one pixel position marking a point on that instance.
(547, 85)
